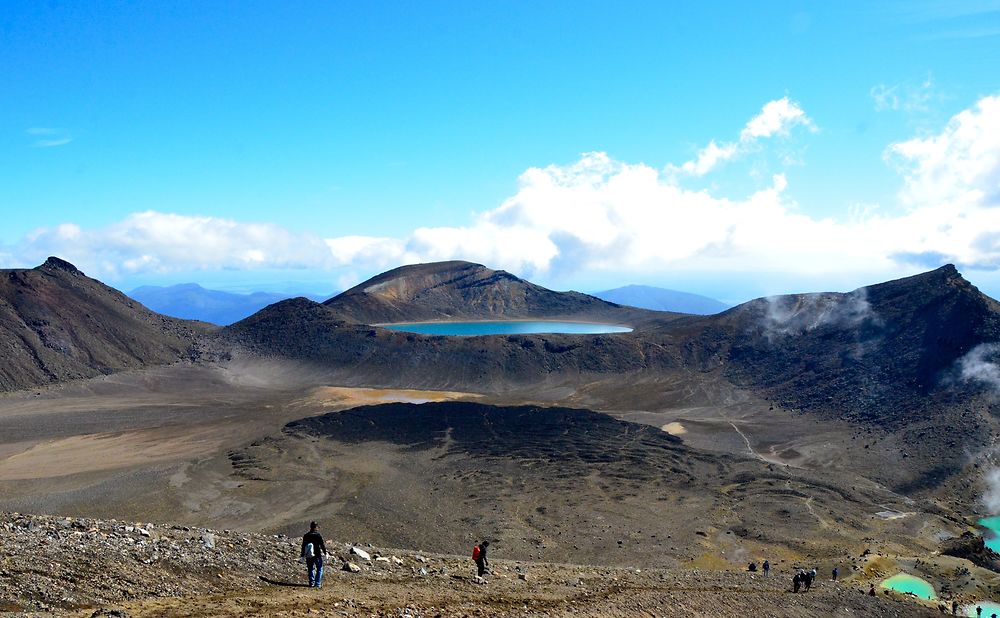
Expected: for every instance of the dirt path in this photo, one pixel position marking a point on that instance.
(548, 590)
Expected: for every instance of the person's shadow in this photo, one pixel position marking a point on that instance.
(275, 582)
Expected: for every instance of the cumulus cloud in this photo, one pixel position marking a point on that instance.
(158, 242)
(960, 165)
(777, 117)
(602, 214)
(952, 186)
(709, 157)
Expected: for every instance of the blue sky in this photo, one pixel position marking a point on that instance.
(241, 145)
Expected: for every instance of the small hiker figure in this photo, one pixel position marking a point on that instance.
(479, 556)
(808, 578)
(836, 572)
(871, 591)
(767, 568)
(954, 608)
(796, 582)
(313, 550)
(979, 611)
(752, 567)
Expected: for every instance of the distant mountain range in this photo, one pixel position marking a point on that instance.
(190, 301)
(662, 299)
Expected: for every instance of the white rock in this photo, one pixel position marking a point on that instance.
(360, 553)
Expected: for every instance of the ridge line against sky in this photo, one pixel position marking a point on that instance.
(732, 154)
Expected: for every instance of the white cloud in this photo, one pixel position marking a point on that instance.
(905, 97)
(952, 187)
(47, 137)
(600, 214)
(959, 165)
(709, 157)
(885, 97)
(158, 242)
(365, 249)
(777, 117)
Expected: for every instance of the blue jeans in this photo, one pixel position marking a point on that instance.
(315, 564)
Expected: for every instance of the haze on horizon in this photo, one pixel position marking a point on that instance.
(727, 149)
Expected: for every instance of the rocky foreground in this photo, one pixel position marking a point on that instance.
(85, 567)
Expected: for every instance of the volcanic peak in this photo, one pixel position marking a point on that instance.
(460, 290)
(54, 263)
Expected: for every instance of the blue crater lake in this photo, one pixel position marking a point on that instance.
(506, 327)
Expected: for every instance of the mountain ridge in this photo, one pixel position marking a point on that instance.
(662, 299)
(191, 301)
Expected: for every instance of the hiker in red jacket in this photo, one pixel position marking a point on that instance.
(479, 555)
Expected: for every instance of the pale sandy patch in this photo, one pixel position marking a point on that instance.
(108, 451)
(674, 429)
(342, 396)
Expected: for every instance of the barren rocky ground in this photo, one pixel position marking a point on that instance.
(86, 568)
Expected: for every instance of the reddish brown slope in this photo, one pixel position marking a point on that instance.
(57, 324)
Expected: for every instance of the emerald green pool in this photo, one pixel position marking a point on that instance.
(989, 608)
(993, 536)
(908, 584)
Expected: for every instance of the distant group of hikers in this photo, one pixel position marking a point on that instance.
(314, 554)
(802, 580)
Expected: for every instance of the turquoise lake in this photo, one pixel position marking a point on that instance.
(507, 327)
(988, 609)
(993, 536)
(907, 583)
